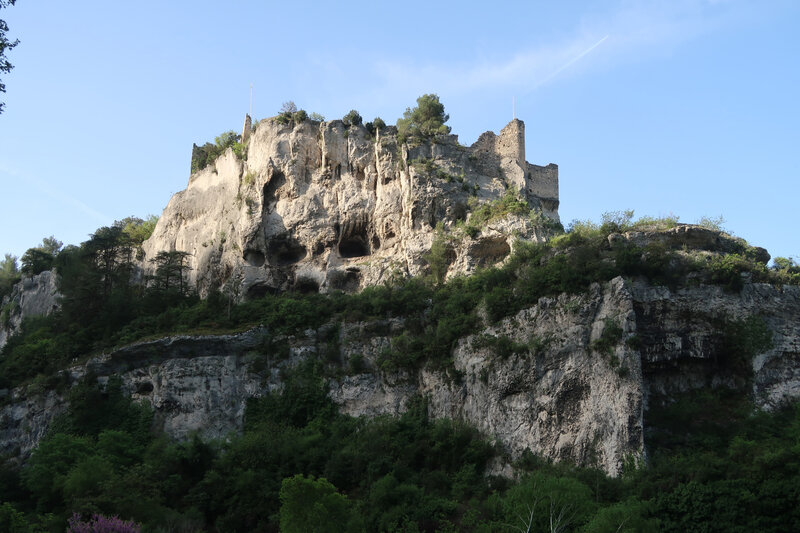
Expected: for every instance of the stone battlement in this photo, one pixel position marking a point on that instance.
(506, 152)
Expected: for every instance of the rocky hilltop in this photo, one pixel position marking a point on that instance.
(558, 351)
(323, 206)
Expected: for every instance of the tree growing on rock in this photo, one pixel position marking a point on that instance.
(353, 118)
(288, 107)
(424, 121)
(40, 258)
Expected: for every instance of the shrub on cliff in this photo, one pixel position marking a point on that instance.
(424, 121)
(202, 156)
(40, 258)
(353, 118)
(300, 116)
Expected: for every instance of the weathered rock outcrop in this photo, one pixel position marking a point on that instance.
(683, 332)
(32, 296)
(320, 206)
(691, 237)
(562, 393)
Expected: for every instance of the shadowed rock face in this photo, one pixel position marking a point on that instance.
(32, 296)
(318, 204)
(562, 398)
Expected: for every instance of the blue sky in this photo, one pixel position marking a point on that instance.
(689, 107)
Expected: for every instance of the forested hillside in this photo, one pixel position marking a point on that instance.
(713, 461)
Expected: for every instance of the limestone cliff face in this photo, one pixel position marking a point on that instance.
(559, 398)
(563, 396)
(318, 206)
(32, 296)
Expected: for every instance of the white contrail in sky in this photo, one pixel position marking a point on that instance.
(570, 62)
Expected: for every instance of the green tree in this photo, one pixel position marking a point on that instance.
(13, 521)
(353, 118)
(288, 107)
(542, 502)
(300, 116)
(95, 281)
(424, 121)
(8, 267)
(785, 263)
(171, 268)
(36, 261)
(42, 257)
(110, 250)
(712, 223)
(138, 230)
(225, 140)
(46, 471)
(5, 44)
(86, 479)
(202, 156)
(438, 257)
(311, 505)
(624, 517)
(9, 274)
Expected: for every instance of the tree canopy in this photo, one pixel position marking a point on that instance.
(9, 274)
(40, 258)
(424, 121)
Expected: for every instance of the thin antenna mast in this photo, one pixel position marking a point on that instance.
(513, 109)
(251, 99)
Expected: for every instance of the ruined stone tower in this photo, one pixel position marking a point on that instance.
(511, 141)
(248, 125)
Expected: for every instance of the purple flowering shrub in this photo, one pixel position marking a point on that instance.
(102, 524)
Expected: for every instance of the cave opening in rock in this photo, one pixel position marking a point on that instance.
(277, 181)
(285, 251)
(353, 246)
(487, 252)
(254, 258)
(306, 286)
(348, 280)
(259, 290)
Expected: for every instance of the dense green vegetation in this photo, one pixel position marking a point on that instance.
(98, 296)
(300, 466)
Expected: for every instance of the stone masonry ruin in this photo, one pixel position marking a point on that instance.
(325, 206)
